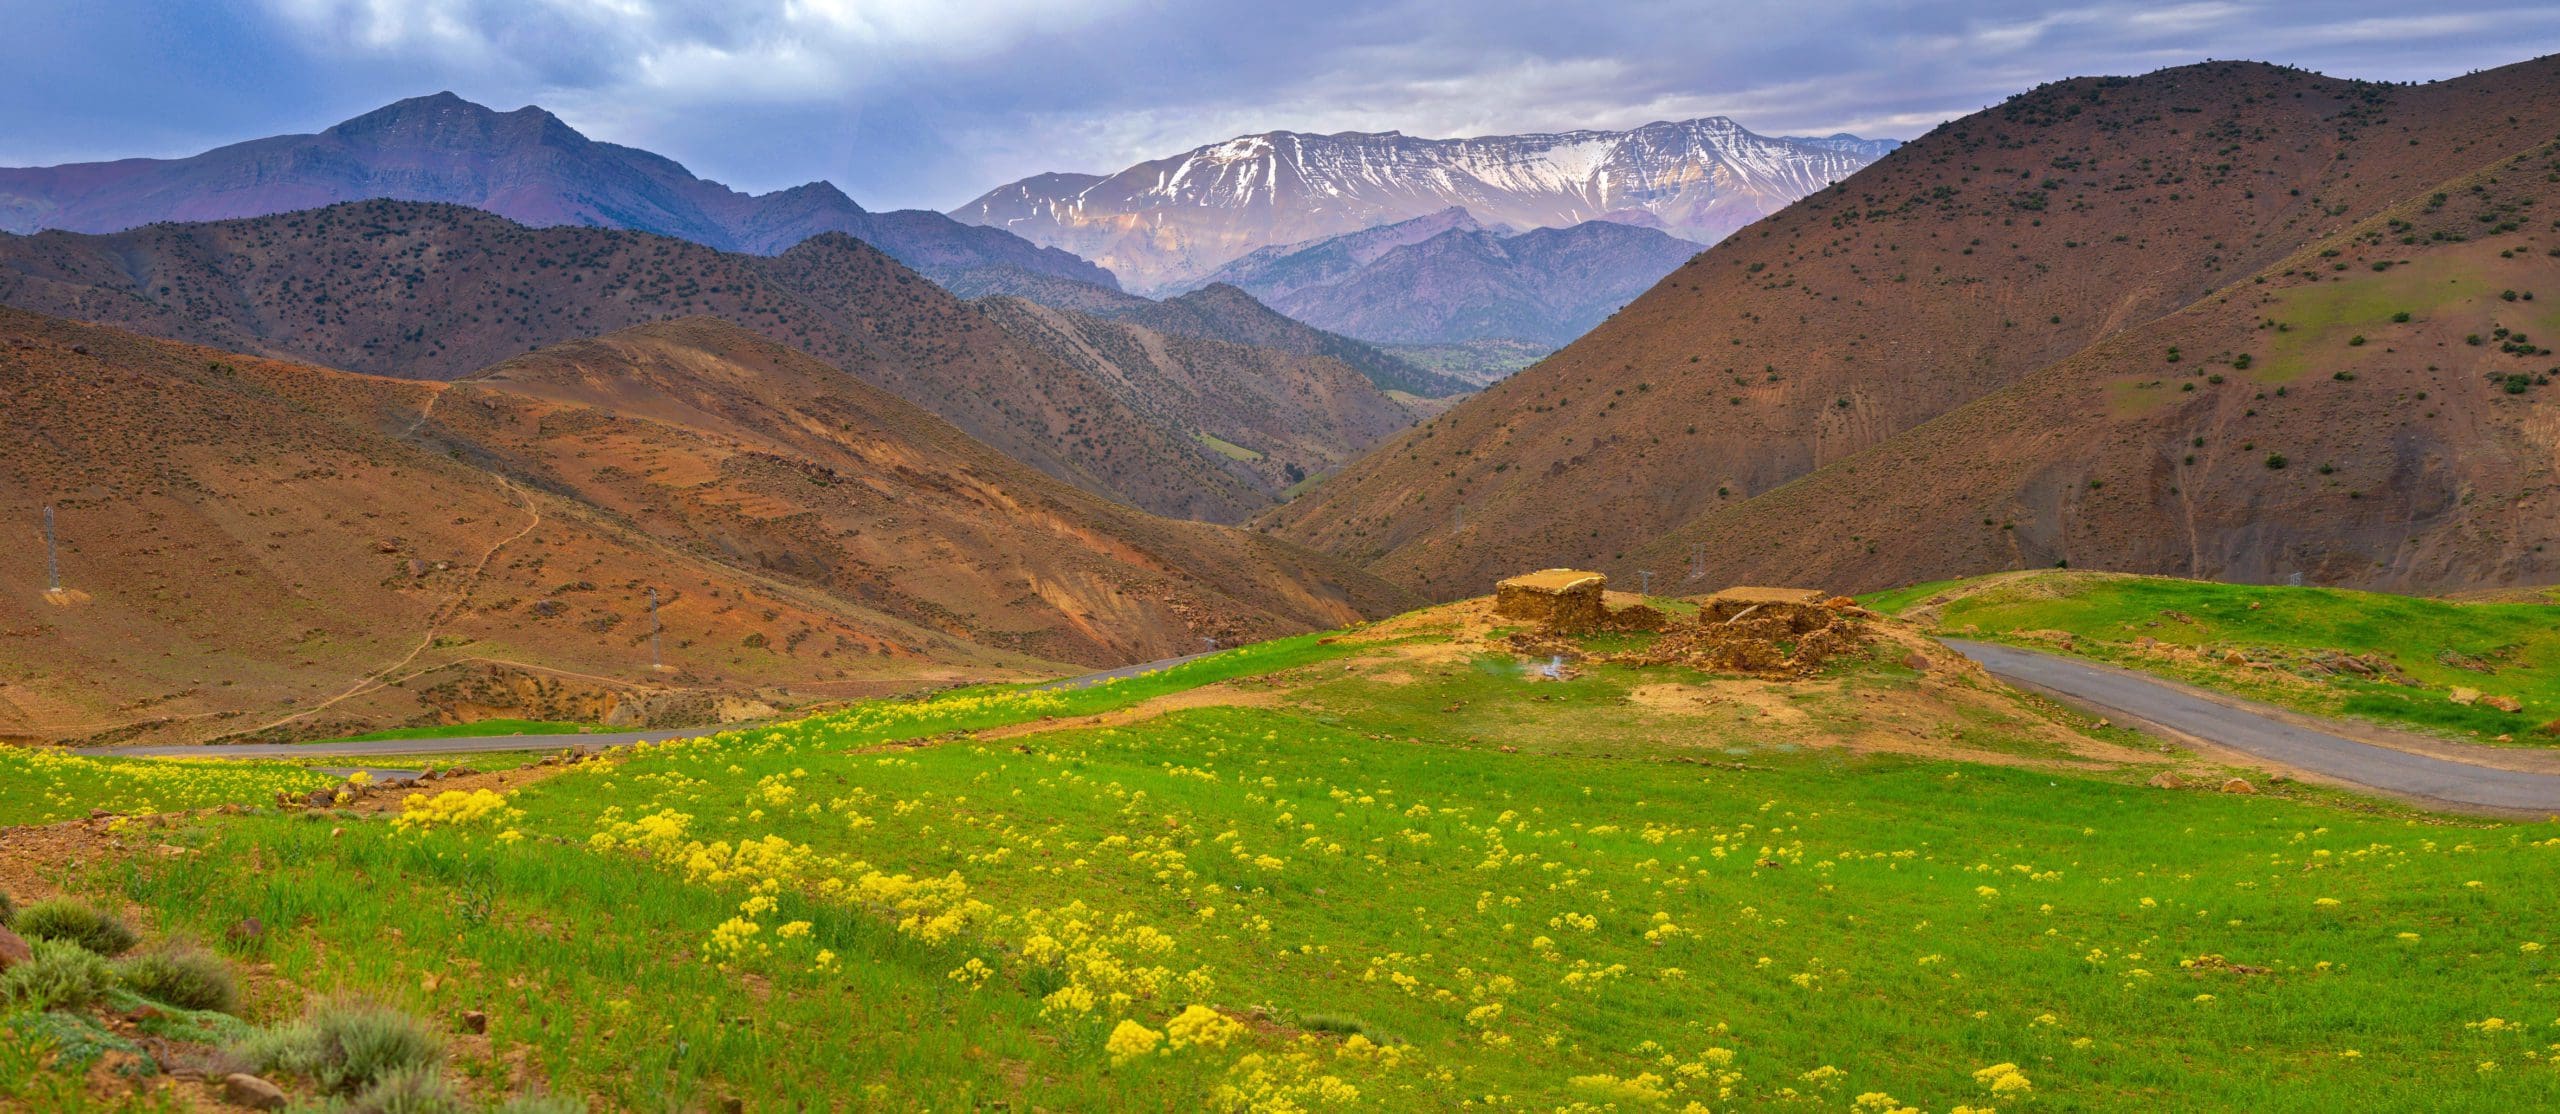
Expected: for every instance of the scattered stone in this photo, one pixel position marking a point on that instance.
(2503, 703)
(474, 1021)
(2234, 657)
(13, 949)
(1916, 661)
(249, 928)
(2279, 779)
(2464, 696)
(2167, 780)
(243, 1089)
(2238, 785)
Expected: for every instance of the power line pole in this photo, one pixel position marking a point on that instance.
(52, 558)
(654, 664)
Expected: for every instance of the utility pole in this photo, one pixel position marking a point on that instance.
(654, 664)
(52, 559)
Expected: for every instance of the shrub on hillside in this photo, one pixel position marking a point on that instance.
(62, 975)
(345, 1044)
(8, 910)
(76, 922)
(418, 1090)
(187, 978)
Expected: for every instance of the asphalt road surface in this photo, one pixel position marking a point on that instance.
(2234, 723)
(482, 744)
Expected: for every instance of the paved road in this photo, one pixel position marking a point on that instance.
(481, 744)
(376, 747)
(2231, 722)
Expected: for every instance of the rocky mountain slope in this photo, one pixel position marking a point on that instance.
(436, 291)
(1217, 312)
(2045, 239)
(1171, 221)
(1446, 280)
(524, 165)
(1280, 416)
(317, 551)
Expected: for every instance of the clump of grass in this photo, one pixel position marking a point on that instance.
(412, 1090)
(1344, 1024)
(346, 1045)
(8, 910)
(62, 975)
(188, 978)
(77, 922)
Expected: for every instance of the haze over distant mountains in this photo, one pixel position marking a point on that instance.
(1445, 279)
(1173, 221)
(524, 165)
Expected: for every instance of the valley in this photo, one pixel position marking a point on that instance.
(2062, 612)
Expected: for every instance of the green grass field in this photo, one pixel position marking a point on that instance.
(2509, 650)
(1407, 886)
(44, 786)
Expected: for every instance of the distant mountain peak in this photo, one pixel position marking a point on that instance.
(1172, 221)
(526, 165)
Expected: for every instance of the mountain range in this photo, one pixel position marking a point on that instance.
(1172, 221)
(2228, 320)
(524, 165)
(305, 551)
(437, 291)
(1444, 279)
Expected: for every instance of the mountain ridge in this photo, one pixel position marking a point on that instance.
(1171, 220)
(438, 291)
(525, 164)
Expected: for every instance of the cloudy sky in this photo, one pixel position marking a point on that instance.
(929, 102)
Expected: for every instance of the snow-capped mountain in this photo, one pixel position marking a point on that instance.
(1165, 222)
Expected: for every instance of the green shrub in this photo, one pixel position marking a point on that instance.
(8, 909)
(63, 975)
(414, 1090)
(188, 978)
(76, 922)
(345, 1044)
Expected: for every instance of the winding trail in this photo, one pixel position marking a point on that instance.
(435, 622)
(2280, 736)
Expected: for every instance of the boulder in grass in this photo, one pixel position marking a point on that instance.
(243, 1089)
(2238, 785)
(2167, 780)
(2502, 703)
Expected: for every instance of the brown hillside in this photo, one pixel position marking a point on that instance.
(2376, 410)
(1287, 416)
(251, 544)
(1992, 247)
(437, 291)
